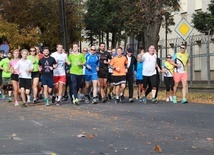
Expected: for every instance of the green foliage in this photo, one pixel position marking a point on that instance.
(204, 21)
(42, 16)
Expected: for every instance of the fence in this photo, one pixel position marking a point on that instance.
(201, 51)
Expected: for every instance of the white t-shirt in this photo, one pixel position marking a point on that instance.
(23, 66)
(149, 65)
(61, 59)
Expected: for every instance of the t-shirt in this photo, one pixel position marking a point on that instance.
(170, 69)
(46, 63)
(139, 75)
(119, 62)
(104, 56)
(61, 59)
(35, 61)
(12, 64)
(93, 61)
(23, 65)
(75, 60)
(181, 59)
(149, 64)
(4, 63)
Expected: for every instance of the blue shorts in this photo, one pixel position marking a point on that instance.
(90, 77)
(47, 81)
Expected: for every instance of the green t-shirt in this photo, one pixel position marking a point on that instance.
(75, 60)
(4, 63)
(35, 61)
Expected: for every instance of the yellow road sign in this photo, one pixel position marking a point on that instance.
(183, 29)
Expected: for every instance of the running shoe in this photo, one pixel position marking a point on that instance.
(47, 103)
(131, 100)
(53, 99)
(58, 103)
(154, 100)
(117, 101)
(3, 97)
(174, 100)
(94, 101)
(121, 98)
(76, 101)
(9, 99)
(167, 99)
(144, 100)
(24, 105)
(40, 96)
(170, 98)
(184, 101)
(16, 103)
(35, 101)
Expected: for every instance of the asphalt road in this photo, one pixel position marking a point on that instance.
(107, 129)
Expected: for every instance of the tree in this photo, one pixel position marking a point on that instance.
(204, 21)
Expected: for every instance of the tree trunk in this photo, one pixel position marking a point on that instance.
(113, 39)
(107, 39)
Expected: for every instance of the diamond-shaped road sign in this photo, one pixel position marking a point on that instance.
(183, 28)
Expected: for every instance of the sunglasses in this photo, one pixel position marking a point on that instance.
(169, 57)
(93, 50)
(182, 47)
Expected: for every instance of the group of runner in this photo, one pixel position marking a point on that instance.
(94, 74)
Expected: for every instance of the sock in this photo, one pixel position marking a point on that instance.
(59, 98)
(117, 97)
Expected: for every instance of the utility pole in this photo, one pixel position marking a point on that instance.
(63, 33)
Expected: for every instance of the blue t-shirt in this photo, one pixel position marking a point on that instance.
(139, 72)
(93, 61)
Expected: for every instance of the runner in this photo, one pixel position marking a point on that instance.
(15, 76)
(149, 71)
(168, 70)
(77, 61)
(105, 58)
(47, 64)
(91, 67)
(119, 64)
(6, 77)
(59, 73)
(180, 61)
(33, 57)
(139, 79)
(24, 67)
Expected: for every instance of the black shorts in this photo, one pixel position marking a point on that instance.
(47, 80)
(110, 78)
(15, 77)
(139, 82)
(103, 74)
(35, 75)
(150, 79)
(118, 80)
(25, 83)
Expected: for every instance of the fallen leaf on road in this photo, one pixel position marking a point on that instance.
(81, 135)
(148, 143)
(157, 148)
(91, 136)
(210, 139)
(12, 136)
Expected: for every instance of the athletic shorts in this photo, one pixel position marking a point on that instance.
(35, 75)
(90, 77)
(15, 77)
(47, 80)
(110, 78)
(118, 80)
(61, 79)
(103, 74)
(139, 82)
(25, 83)
(6, 80)
(180, 76)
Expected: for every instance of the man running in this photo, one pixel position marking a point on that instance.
(59, 73)
(105, 58)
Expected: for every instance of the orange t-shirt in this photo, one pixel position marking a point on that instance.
(119, 62)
